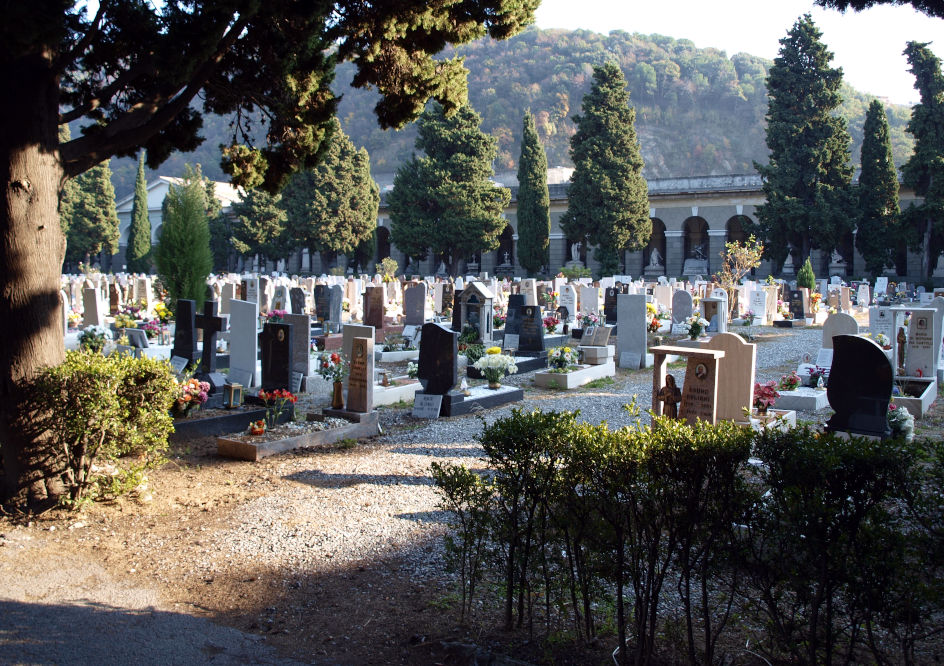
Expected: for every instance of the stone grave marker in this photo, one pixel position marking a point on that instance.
(277, 343)
(631, 324)
(528, 289)
(758, 305)
(296, 297)
(227, 293)
(609, 305)
(280, 298)
(301, 342)
(438, 364)
(374, 307)
(457, 310)
(252, 290)
(114, 298)
(185, 338)
(243, 342)
(589, 299)
(348, 333)
(736, 371)
(568, 299)
(265, 295)
(881, 287)
(360, 387)
(94, 307)
(335, 303)
(715, 312)
(796, 304)
(860, 387)
(322, 306)
(531, 333)
(212, 325)
(862, 295)
(137, 338)
(924, 343)
(700, 390)
(682, 306)
(513, 314)
(414, 305)
(838, 324)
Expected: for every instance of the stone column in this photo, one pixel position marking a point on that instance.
(716, 240)
(674, 252)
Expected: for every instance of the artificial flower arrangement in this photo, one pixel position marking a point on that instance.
(550, 323)
(790, 382)
(765, 395)
(257, 427)
(191, 393)
(696, 326)
(153, 328)
(550, 299)
(588, 319)
(498, 317)
(275, 316)
(162, 312)
(901, 422)
(412, 370)
(123, 320)
(818, 376)
(74, 318)
(275, 403)
(749, 318)
(653, 326)
(883, 341)
(815, 299)
(332, 366)
(652, 310)
(93, 338)
(494, 365)
(560, 358)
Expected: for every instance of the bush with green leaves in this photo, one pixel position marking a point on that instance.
(805, 276)
(98, 409)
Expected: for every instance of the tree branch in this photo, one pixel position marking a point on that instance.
(93, 32)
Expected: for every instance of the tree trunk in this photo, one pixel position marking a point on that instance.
(32, 247)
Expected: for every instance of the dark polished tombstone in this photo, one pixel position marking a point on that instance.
(563, 314)
(513, 316)
(531, 331)
(276, 343)
(336, 304)
(448, 295)
(297, 297)
(322, 306)
(860, 387)
(211, 324)
(185, 336)
(438, 362)
(456, 309)
(609, 304)
(797, 309)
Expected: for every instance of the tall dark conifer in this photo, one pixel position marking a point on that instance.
(807, 181)
(93, 225)
(534, 202)
(878, 193)
(924, 171)
(138, 252)
(608, 200)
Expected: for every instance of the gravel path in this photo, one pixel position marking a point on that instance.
(310, 515)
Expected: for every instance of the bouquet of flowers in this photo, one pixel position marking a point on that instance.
(696, 326)
(901, 422)
(123, 320)
(653, 326)
(74, 318)
(883, 341)
(162, 312)
(498, 317)
(275, 316)
(561, 357)
(494, 365)
(550, 299)
(550, 323)
(412, 370)
(815, 299)
(191, 393)
(332, 366)
(652, 310)
(749, 318)
(765, 395)
(275, 403)
(93, 338)
(588, 319)
(790, 382)
(152, 328)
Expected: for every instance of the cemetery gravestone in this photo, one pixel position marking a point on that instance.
(360, 378)
(796, 303)
(438, 364)
(94, 308)
(297, 297)
(374, 307)
(531, 333)
(758, 305)
(513, 314)
(185, 340)
(568, 299)
(609, 304)
(736, 371)
(336, 303)
(631, 318)
(276, 341)
(860, 387)
(301, 343)
(211, 324)
(243, 342)
(924, 342)
(414, 305)
(838, 324)
(700, 390)
(322, 306)
(682, 306)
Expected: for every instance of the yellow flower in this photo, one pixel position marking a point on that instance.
(493, 350)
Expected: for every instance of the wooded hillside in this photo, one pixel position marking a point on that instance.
(698, 111)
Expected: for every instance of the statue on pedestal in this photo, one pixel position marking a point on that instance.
(655, 259)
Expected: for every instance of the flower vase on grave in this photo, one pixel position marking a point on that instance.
(181, 410)
(494, 385)
(337, 398)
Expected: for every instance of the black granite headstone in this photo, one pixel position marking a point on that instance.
(531, 334)
(185, 337)
(609, 304)
(860, 387)
(297, 297)
(456, 310)
(448, 295)
(336, 303)
(438, 363)
(321, 302)
(797, 311)
(513, 316)
(276, 344)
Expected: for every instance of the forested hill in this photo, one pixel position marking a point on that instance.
(698, 111)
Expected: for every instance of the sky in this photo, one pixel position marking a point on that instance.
(867, 45)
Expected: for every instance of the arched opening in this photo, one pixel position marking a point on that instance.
(383, 243)
(505, 254)
(695, 232)
(736, 229)
(654, 254)
(901, 258)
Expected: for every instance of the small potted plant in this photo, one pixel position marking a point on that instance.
(93, 338)
(494, 366)
(334, 367)
(765, 395)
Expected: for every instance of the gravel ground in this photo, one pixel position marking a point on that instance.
(222, 535)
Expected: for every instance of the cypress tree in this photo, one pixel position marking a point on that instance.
(807, 181)
(93, 223)
(534, 202)
(444, 201)
(608, 201)
(137, 254)
(924, 170)
(260, 225)
(878, 193)
(805, 276)
(182, 254)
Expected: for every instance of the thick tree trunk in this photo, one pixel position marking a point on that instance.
(32, 247)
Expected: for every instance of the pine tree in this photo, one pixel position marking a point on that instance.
(878, 193)
(608, 201)
(182, 254)
(93, 220)
(138, 251)
(534, 202)
(259, 227)
(805, 276)
(807, 182)
(445, 201)
(332, 208)
(924, 171)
